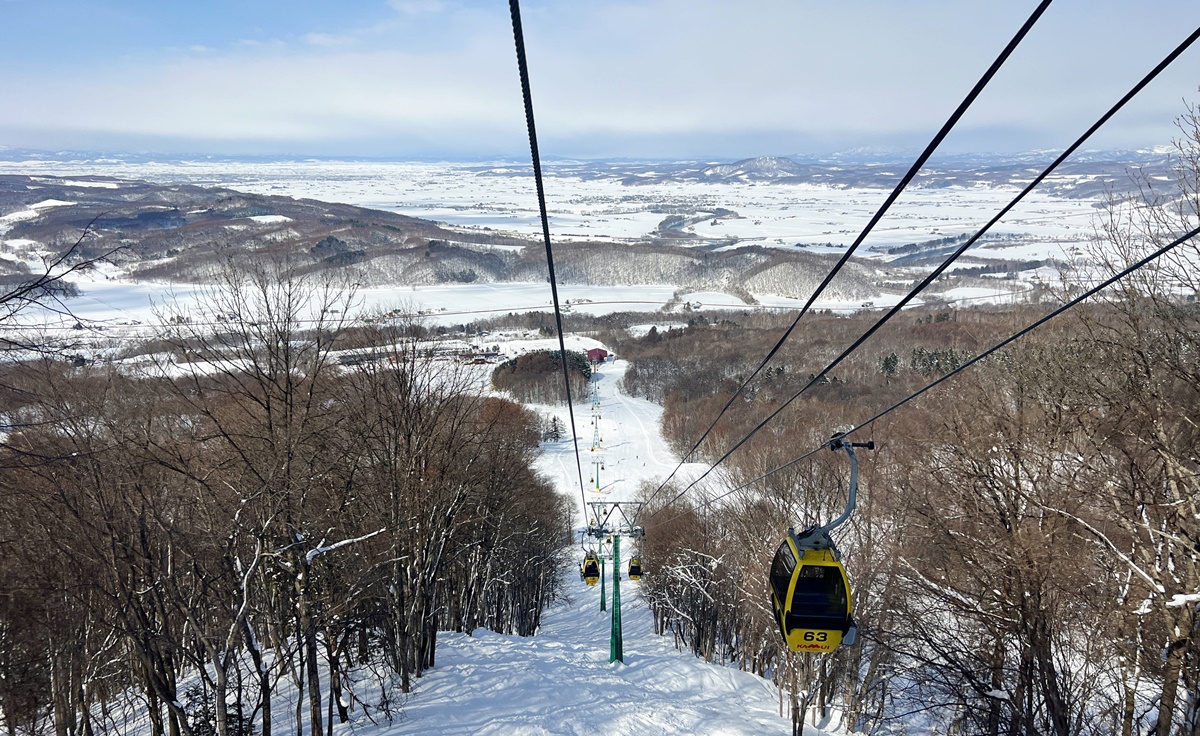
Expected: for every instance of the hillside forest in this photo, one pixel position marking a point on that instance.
(232, 514)
(1025, 557)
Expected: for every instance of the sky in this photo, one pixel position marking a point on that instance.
(660, 79)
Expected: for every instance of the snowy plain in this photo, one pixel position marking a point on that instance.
(495, 196)
(816, 218)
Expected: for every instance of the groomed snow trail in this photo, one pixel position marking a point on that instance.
(561, 682)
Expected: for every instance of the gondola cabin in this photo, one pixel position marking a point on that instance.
(811, 597)
(635, 569)
(591, 568)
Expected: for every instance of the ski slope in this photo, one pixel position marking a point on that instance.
(561, 682)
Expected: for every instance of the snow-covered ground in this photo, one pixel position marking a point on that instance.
(632, 446)
(561, 681)
(781, 215)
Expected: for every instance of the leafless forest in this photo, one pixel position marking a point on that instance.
(242, 507)
(1026, 553)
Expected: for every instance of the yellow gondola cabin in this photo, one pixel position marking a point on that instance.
(591, 568)
(811, 597)
(810, 592)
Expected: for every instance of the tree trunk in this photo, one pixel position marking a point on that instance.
(264, 681)
(85, 713)
(308, 635)
(1176, 652)
(58, 693)
(154, 711)
(220, 690)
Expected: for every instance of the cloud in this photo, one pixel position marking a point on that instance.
(263, 44)
(288, 97)
(665, 76)
(329, 40)
(418, 7)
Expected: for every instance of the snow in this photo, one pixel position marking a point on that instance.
(322, 548)
(115, 301)
(773, 215)
(1179, 600)
(560, 681)
(84, 184)
(458, 303)
(46, 203)
(8, 221)
(981, 294)
(270, 219)
(644, 329)
(21, 243)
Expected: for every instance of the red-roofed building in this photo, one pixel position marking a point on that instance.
(597, 355)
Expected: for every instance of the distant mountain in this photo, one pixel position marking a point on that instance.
(179, 232)
(1086, 174)
(765, 167)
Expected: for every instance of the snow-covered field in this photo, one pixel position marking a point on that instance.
(820, 219)
(605, 209)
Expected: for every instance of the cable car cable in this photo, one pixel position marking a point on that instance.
(998, 346)
(514, 7)
(962, 249)
(896, 192)
(1090, 292)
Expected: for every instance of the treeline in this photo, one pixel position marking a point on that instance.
(537, 377)
(244, 537)
(1025, 557)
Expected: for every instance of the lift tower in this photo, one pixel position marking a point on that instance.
(610, 521)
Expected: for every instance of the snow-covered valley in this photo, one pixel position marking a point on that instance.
(1014, 262)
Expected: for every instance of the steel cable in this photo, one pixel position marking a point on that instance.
(962, 249)
(895, 194)
(514, 7)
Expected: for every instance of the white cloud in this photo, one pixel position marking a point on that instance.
(849, 74)
(254, 43)
(417, 7)
(288, 97)
(329, 40)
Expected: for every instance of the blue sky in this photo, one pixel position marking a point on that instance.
(659, 78)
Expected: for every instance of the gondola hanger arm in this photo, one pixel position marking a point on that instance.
(817, 537)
